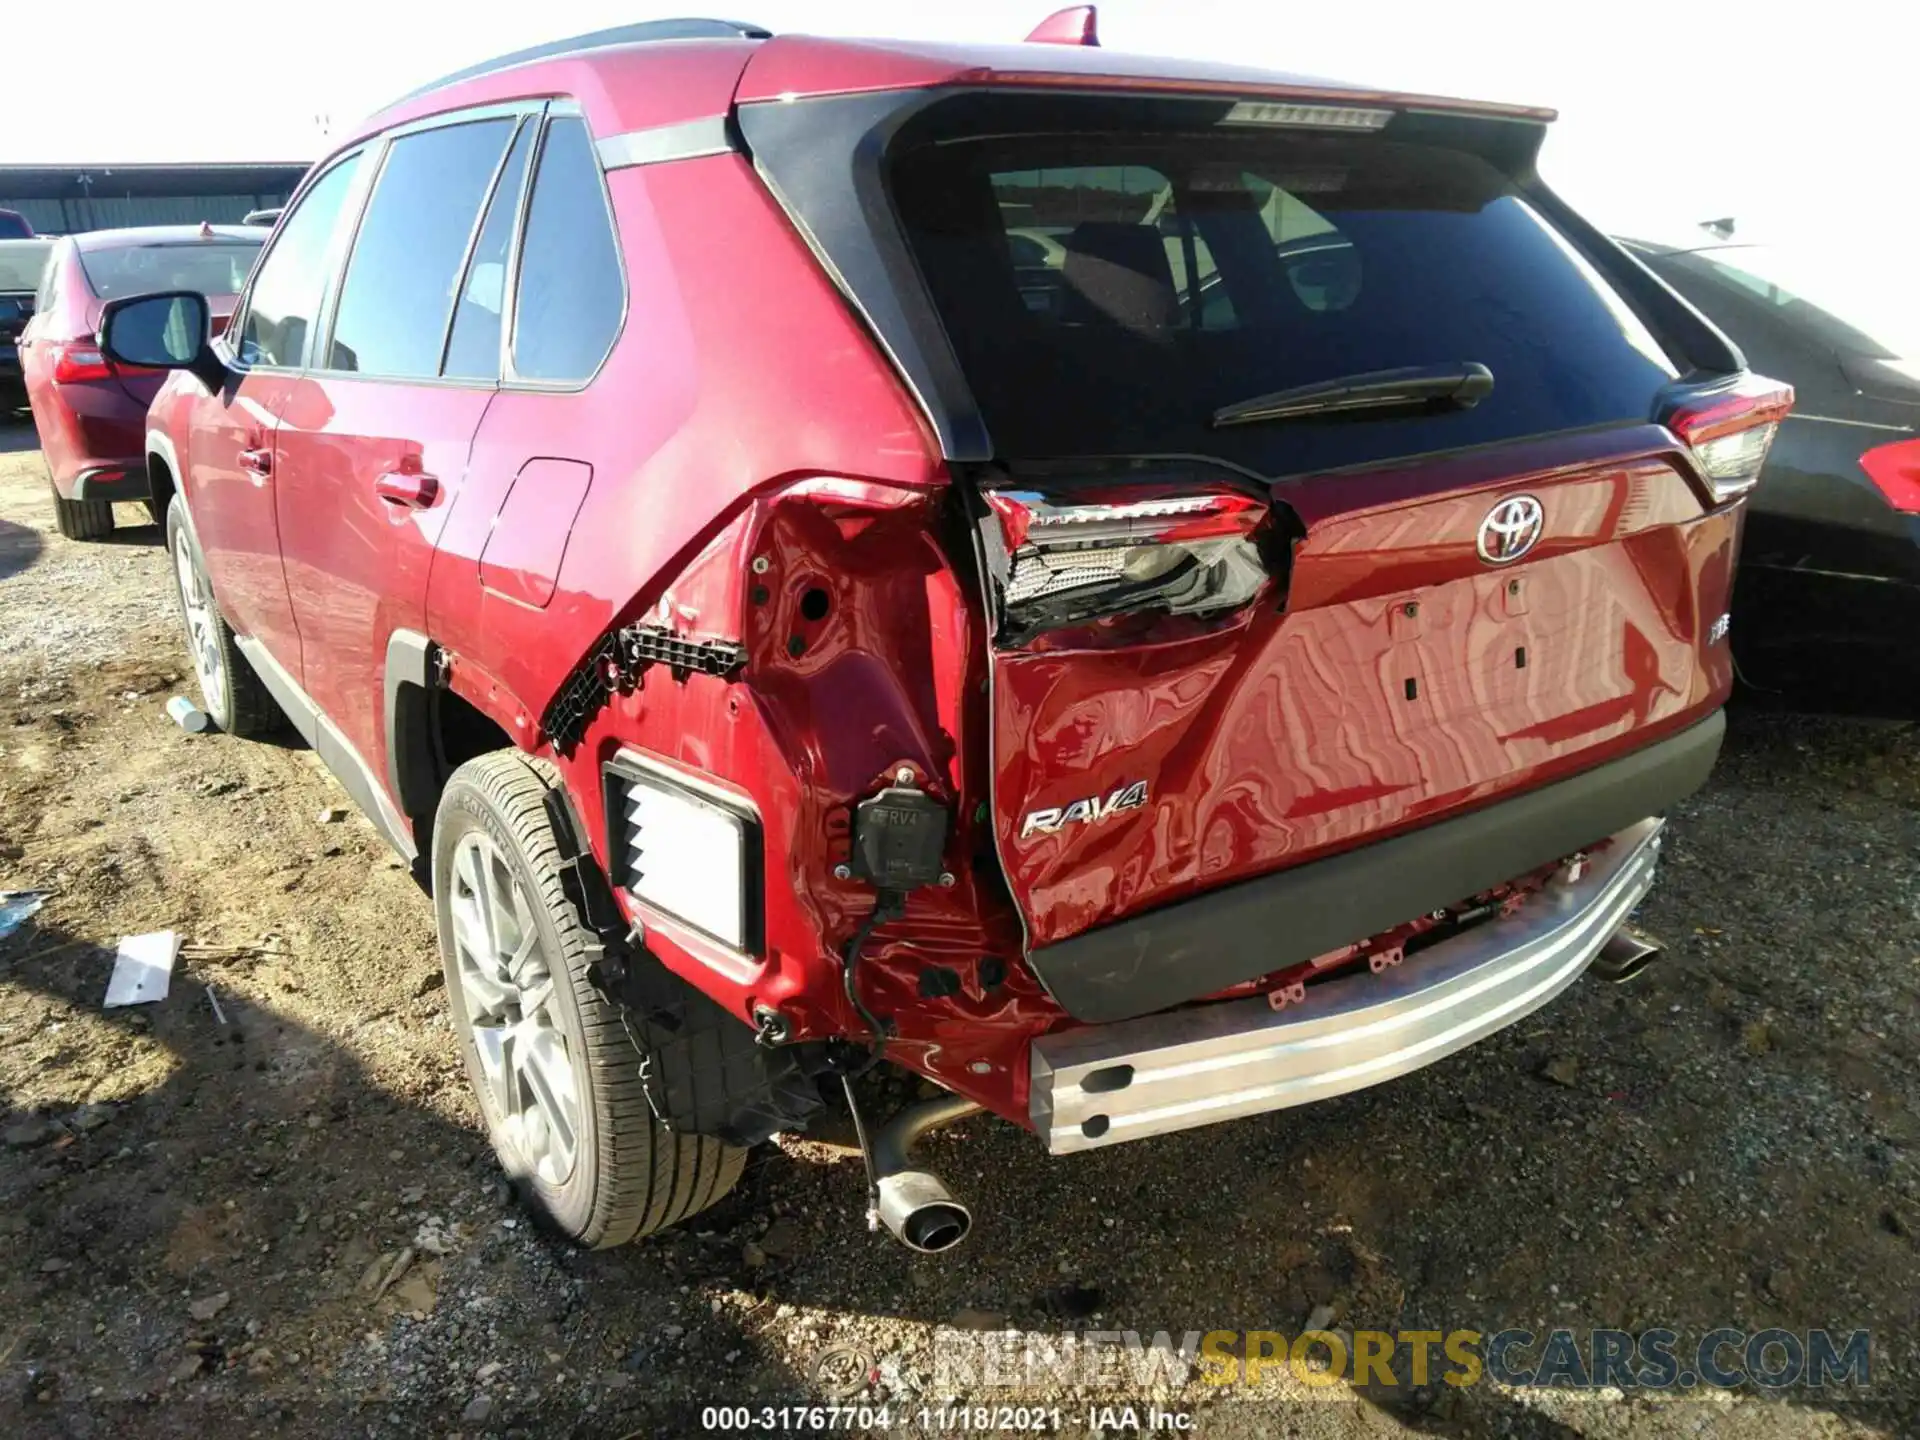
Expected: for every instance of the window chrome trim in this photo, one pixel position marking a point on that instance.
(658, 144)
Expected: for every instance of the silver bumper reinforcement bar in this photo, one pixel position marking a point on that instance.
(1108, 1083)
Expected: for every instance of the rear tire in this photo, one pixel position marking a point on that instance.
(82, 519)
(557, 1078)
(230, 692)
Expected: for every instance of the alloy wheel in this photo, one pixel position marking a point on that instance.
(203, 629)
(508, 989)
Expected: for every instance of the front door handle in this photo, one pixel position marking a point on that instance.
(414, 489)
(258, 463)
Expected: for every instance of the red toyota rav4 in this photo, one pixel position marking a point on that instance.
(1144, 592)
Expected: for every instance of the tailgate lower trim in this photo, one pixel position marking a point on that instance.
(1105, 1084)
(1241, 932)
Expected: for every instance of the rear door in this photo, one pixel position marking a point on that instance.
(373, 441)
(1227, 643)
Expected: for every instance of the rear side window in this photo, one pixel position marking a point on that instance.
(571, 296)
(212, 267)
(293, 276)
(1107, 292)
(49, 292)
(473, 350)
(399, 289)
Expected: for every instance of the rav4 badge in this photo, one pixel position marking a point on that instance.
(1088, 811)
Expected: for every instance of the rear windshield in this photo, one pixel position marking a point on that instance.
(210, 267)
(21, 263)
(1107, 292)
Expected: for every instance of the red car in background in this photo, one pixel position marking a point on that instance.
(92, 414)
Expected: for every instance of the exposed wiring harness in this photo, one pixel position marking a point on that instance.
(890, 905)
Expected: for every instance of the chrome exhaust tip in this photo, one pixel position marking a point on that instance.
(914, 1204)
(1625, 956)
(921, 1212)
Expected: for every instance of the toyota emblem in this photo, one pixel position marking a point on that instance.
(1511, 529)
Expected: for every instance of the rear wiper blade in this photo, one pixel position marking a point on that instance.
(1460, 385)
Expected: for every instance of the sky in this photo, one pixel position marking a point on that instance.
(1797, 120)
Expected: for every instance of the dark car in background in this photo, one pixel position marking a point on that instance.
(1828, 597)
(15, 226)
(21, 265)
(91, 413)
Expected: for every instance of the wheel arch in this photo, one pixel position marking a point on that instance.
(164, 477)
(438, 716)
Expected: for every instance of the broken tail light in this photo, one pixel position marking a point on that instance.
(1059, 562)
(1730, 428)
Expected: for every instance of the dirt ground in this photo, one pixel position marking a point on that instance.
(200, 1221)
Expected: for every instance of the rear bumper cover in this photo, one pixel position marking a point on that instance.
(1102, 1085)
(1241, 932)
(126, 480)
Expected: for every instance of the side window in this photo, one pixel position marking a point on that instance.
(473, 350)
(570, 296)
(49, 291)
(399, 289)
(293, 276)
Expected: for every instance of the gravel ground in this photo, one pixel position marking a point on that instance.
(291, 1219)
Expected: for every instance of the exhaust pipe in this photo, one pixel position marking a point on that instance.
(1625, 956)
(916, 1204)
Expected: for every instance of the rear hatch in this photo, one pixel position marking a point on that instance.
(1318, 487)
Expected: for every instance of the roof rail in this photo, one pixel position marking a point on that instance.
(642, 33)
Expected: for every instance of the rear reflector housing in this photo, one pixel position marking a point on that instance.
(690, 851)
(1729, 428)
(1059, 561)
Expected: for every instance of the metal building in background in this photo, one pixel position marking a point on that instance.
(63, 199)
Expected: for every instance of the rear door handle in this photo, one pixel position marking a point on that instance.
(257, 463)
(412, 488)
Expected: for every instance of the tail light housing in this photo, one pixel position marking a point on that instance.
(1895, 472)
(1059, 560)
(1729, 428)
(79, 360)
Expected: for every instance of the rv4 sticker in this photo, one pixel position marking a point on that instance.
(1090, 811)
